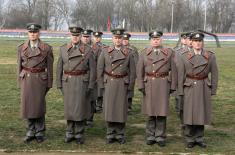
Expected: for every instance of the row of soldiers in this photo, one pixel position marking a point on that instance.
(93, 75)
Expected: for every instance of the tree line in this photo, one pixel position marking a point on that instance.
(215, 16)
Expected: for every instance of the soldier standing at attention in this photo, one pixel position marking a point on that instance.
(156, 78)
(97, 49)
(86, 40)
(116, 74)
(125, 42)
(86, 37)
(75, 77)
(196, 89)
(183, 43)
(35, 76)
(189, 40)
(178, 51)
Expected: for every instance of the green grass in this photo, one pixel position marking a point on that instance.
(220, 135)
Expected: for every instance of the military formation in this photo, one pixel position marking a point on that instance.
(96, 78)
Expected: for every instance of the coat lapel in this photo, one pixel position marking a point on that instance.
(74, 53)
(25, 49)
(118, 55)
(33, 53)
(200, 60)
(157, 57)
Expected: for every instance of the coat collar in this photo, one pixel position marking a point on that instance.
(119, 54)
(160, 49)
(199, 60)
(32, 53)
(41, 45)
(76, 52)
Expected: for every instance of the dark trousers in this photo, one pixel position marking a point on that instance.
(194, 133)
(35, 127)
(91, 112)
(99, 103)
(156, 128)
(115, 130)
(75, 129)
(129, 103)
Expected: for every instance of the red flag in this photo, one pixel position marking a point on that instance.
(108, 24)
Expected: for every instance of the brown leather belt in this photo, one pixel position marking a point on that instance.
(76, 73)
(116, 75)
(158, 74)
(196, 77)
(34, 70)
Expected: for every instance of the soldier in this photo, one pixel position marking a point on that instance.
(125, 42)
(178, 51)
(86, 37)
(196, 88)
(75, 77)
(183, 37)
(35, 76)
(116, 74)
(97, 48)
(156, 78)
(189, 40)
(86, 40)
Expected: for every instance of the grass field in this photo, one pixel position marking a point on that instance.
(220, 135)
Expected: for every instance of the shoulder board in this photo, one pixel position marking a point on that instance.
(165, 50)
(104, 47)
(110, 49)
(21, 44)
(207, 54)
(189, 54)
(148, 50)
(125, 50)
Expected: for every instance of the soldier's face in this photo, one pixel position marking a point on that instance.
(125, 42)
(97, 39)
(33, 35)
(189, 42)
(117, 40)
(197, 44)
(155, 42)
(86, 39)
(183, 41)
(75, 39)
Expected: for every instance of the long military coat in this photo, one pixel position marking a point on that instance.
(197, 93)
(75, 87)
(135, 53)
(97, 49)
(116, 62)
(160, 60)
(34, 86)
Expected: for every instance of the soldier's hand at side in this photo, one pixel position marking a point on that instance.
(181, 98)
(172, 91)
(142, 90)
(89, 91)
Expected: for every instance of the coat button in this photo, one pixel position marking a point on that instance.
(195, 82)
